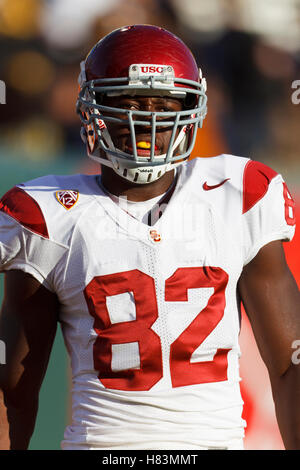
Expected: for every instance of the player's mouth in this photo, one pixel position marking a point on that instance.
(144, 149)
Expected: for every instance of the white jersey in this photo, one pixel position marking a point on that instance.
(150, 314)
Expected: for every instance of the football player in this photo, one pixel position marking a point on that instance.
(145, 267)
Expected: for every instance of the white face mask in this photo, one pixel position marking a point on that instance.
(184, 123)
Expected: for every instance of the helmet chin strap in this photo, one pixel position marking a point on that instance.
(129, 169)
(142, 175)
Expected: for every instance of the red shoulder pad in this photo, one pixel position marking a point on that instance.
(257, 178)
(18, 204)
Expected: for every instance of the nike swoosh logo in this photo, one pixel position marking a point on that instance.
(207, 187)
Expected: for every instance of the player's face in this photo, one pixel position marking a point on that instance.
(121, 135)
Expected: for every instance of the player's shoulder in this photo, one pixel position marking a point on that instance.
(212, 170)
(40, 202)
(231, 164)
(49, 183)
(248, 178)
(257, 177)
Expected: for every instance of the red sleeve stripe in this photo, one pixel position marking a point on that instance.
(18, 204)
(257, 178)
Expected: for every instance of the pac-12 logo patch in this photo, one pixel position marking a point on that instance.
(67, 198)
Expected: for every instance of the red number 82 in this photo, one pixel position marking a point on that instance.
(183, 371)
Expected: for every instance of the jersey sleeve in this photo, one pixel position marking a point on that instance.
(24, 239)
(268, 209)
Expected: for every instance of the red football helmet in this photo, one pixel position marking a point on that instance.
(140, 60)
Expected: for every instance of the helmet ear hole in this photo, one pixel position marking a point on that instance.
(190, 101)
(99, 97)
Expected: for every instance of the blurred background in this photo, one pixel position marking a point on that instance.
(249, 51)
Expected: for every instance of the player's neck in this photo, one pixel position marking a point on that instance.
(119, 186)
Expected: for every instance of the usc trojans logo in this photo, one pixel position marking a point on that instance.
(155, 236)
(152, 69)
(67, 198)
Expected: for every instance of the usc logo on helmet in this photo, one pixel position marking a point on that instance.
(152, 69)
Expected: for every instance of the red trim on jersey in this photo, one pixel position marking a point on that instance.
(18, 204)
(257, 178)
